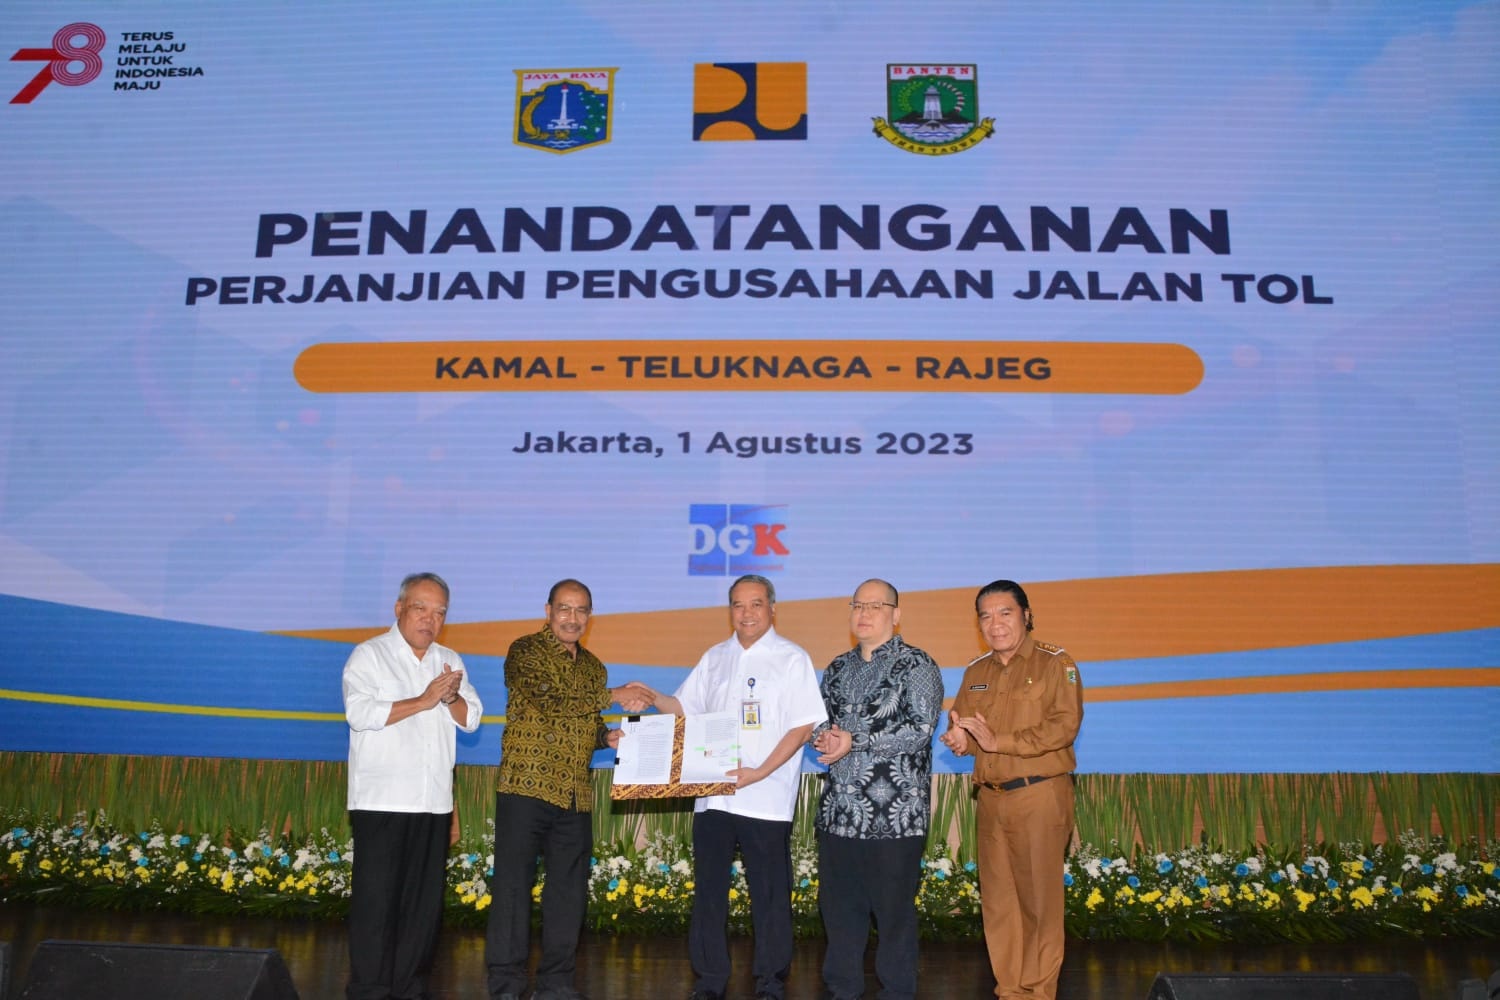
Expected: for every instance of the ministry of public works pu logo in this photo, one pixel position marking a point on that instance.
(563, 110)
(932, 109)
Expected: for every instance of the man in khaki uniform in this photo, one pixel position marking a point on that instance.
(1017, 712)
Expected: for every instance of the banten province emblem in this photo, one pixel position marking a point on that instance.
(562, 110)
(932, 109)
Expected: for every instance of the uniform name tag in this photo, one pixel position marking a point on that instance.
(979, 687)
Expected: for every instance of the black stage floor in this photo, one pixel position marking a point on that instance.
(626, 968)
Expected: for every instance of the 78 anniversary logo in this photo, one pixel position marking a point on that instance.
(79, 44)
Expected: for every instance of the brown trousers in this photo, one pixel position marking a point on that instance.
(1023, 844)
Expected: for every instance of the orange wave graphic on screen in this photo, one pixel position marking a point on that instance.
(1339, 680)
(1115, 618)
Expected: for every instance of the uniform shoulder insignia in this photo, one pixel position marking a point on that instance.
(1048, 647)
(977, 659)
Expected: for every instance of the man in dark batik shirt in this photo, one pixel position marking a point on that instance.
(883, 699)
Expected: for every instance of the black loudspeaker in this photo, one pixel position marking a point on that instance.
(91, 970)
(1292, 986)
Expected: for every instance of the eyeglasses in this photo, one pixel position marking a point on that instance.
(567, 610)
(871, 606)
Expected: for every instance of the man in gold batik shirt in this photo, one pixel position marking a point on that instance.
(556, 689)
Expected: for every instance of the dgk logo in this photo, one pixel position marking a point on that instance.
(745, 101)
(733, 539)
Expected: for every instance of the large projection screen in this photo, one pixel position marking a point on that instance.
(1184, 315)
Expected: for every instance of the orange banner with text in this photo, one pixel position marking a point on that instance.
(765, 365)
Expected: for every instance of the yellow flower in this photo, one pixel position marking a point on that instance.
(734, 894)
(1361, 898)
(1304, 900)
(16, 859)
(484, 902)
(1095, 898)
(45, 864)
(180, 868)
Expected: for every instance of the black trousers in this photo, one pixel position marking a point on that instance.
(395, 901)
(859, 879)
(766, 846)
(525, 828)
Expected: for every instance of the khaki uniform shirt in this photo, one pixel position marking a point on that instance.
(552, 723)
(1034, 705)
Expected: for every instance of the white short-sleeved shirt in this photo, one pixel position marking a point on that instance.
(786, 687)
(407, 767)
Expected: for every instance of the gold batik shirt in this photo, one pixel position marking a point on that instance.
(552, 723)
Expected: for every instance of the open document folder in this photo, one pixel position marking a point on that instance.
(667, 756)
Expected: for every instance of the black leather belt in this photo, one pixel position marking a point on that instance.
(1014, 783)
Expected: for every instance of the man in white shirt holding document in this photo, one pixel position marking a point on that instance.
(768, 682)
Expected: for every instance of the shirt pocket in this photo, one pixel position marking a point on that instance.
(1028, 705)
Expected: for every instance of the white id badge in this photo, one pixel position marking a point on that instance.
(750, 714)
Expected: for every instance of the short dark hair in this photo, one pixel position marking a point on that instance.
(1010, 587)
(412, 579)
(754, 578)
(570, 582)
(895, 597)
